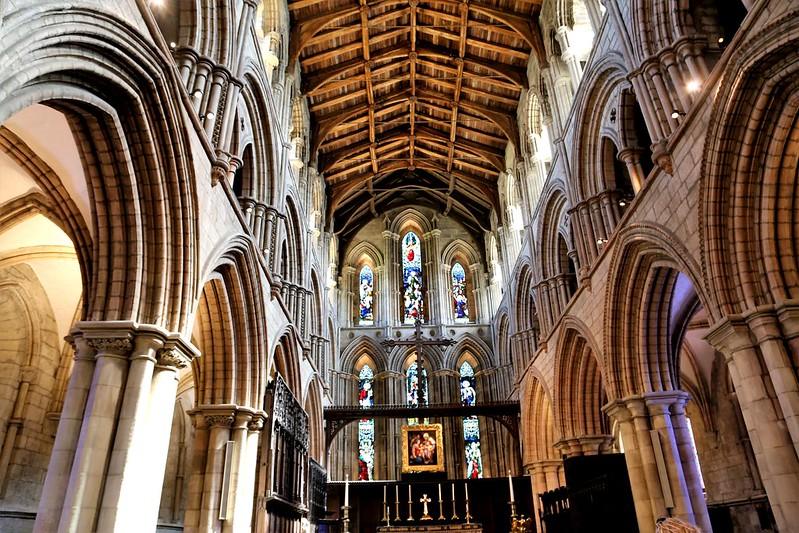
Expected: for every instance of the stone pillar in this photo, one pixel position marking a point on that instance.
(632, 159)
(129, 468)
(435, 307)
(569, 58)
(646, 421)
(219, 420)
(99, 420)
(771, 440)
(66, 439)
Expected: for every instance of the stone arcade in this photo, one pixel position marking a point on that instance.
(222, 220)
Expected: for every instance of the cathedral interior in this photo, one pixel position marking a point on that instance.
(348, 266)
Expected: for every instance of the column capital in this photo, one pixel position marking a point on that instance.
(730, 335)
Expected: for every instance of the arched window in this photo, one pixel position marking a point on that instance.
(412, 277)
(412, 380)
(459, 298)
(366, 299)
(417, 392)
(366, 426)
(471, 425)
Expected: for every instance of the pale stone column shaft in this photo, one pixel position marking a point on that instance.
(124, 477)
(194, 495)
(66, 439)
(161, 410)
(219, 434)
(99, 422)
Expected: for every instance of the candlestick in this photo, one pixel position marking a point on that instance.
(454, 509)
(345, 511)
(396, 504)
(347, 491)
(510, 484)
(410, 505)
(387, 517)
(468, 516)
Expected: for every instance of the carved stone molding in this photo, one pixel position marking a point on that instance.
(172, 357)
(256, 424)
(118, 346)
(220, 421)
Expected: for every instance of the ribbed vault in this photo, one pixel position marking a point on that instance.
(413, 100)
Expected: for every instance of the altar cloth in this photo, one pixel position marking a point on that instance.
(431, 528)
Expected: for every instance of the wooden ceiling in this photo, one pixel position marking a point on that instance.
(412, 101)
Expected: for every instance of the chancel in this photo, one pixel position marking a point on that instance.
(399, 266)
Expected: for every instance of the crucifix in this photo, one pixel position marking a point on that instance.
(424, 500)
(419, 342)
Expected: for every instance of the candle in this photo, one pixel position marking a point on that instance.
(347, 491)
(439, 493)
(510, 484)
(384, 494)
(467, 490)
(409, 493)
(453, 492)
(396, 492)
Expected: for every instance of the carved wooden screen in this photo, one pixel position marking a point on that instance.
(317, 492)
(289, 445)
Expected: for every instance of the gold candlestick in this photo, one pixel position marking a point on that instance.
(468, 516)
(346, 520)
(441, 510)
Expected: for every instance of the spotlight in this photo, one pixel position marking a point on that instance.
(692, 86)
(677, 114)
(173, 44)
(721, 40)
(622, 203)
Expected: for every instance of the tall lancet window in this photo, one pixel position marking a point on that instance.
(471, 425)
(366, 279)
(459, 298)
(366, 426)
(412, 277)
(414, 387)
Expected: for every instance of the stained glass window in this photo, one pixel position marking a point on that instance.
(367, 285)
(412, 380)
(459, 298)
(366, 426)
(413, 385)
(412, 277)
(471, 425)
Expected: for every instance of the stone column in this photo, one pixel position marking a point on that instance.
(219, 421)
(66, 439)
(568, 56)
(768, 432)
(632, 159)
(635, 467)
(99, 423)
(161, 408)
(199, 450)
(128, 466)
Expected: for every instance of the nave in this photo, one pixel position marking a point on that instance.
(276, 265)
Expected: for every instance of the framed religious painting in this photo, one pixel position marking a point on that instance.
(423, 448)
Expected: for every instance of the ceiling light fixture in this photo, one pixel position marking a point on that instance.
(692, 86)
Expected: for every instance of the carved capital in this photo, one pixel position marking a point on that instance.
(172, 357)
(256, 424)
(220, 421)
(114, 345)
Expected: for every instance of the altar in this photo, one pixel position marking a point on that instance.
(432, 528)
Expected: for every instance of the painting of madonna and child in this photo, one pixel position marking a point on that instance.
(423, 451)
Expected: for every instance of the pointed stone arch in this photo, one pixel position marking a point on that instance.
(124, 113)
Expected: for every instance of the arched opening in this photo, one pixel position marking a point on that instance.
(44, 206)
(412, 276)
(718, 21)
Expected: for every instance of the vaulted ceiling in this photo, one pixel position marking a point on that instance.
(412, 101)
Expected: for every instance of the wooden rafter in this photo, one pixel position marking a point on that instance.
(401, 87)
